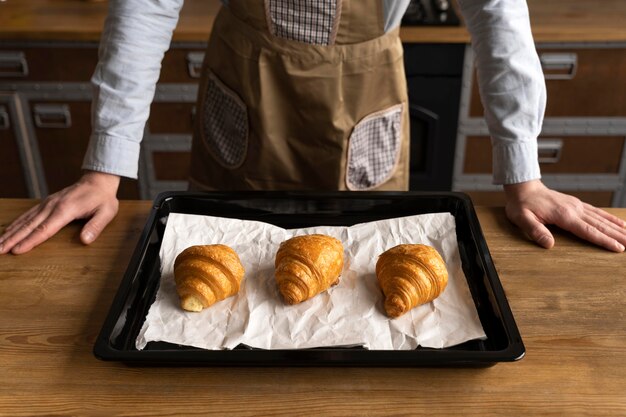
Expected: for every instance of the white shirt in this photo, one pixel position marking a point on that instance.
(138, 32)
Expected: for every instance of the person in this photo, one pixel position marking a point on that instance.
(312, 95)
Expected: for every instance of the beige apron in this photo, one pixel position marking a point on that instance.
(302, 95)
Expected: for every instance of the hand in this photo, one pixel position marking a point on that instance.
(531, 205)
(92, 197)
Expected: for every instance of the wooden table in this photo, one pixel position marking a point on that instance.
(568, 303)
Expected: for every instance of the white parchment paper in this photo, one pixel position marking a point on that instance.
(350, 313)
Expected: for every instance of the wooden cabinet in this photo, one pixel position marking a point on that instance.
(43, 144)
(61, 131)
(165, 159)
(581, 146)
(49, 83)
(183, 63)
(48, 62)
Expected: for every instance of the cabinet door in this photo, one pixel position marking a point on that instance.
(580, 82)
(48, 64)
(558, 154)
(171, 165)
(182, 64)
(62, 130)
(172, 118)
(166, 145)
(12, 177)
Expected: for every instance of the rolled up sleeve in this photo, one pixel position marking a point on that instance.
(511, 83)
(134, 40)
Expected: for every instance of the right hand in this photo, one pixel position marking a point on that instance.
(92, 197)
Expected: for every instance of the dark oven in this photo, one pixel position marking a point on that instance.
(433, 74)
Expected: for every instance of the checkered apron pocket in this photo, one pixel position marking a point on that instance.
(312, 22)
(224, 123)
(374, 149)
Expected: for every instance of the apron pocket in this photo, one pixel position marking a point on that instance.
(224, 123)
(374, 149)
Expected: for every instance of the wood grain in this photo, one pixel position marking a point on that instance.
(552, 21)
(568, 303)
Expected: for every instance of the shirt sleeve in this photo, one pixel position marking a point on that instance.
(135, 37)
(511, 83)
(393, 12)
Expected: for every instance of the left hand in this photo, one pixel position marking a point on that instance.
(531, 205)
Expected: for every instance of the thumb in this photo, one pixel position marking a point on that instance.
(534, 229)
(96, 225)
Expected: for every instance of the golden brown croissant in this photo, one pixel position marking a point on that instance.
(307, 265)
(410, 275)
(206, 274)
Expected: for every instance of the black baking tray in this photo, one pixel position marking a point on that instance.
(137, 290)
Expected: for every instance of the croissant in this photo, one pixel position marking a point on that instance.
(206, 274)
(307, 265)
(410, 275)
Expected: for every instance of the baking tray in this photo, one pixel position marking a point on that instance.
(138, 288)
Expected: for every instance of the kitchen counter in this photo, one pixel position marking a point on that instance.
(552, 21)
(568, 303)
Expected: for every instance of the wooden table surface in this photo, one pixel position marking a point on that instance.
(568, 303)
(552, 21)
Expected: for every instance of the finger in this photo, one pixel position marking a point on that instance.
(43, 231)
(588, 232)
(534, 229)
(17, 223)
(25, 227)
(608, 216)
(608, 228)
(602, 223)
(96, 225)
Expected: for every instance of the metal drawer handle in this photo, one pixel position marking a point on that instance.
(549, 150)
(52, 116)
(565, 63)
(13, 64)
(194, 64)
(4, 118)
